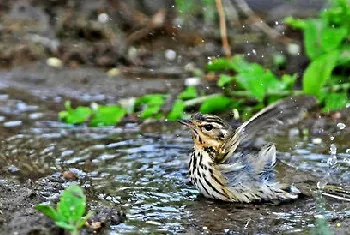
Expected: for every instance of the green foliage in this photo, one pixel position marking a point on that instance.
(151, 105)
(69, 211)
(250, 77)
(102, 116)
(217, 104)
(177, 110)
(107, 115)
(190, 92)
(318, 72)
(334, 101)
(224, 80)
(326, 42)
(74, 116)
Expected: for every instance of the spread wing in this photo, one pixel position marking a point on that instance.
(284, 112)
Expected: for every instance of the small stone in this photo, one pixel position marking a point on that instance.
(68, 175)
(170, 54)
(96, 225)
(103, 18)
(54, 62)
(192, 81)
(113, 72)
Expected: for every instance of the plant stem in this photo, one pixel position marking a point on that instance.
(76, 231)
(222, 22)
(338, 87)
(245, 94)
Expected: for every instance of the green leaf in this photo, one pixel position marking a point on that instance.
(295, 23)
(289, 80)
(258, 81)
(239, 64)
(74, 116)
(318, 72)
(335, 101)
(72, 204)
(176, 111)
(107, 115)
(150, 99)
(224, 80)
(219, 64)
(319, 38)
(189, 93)
(65, 225)
(152, 104)
(47, 210)
(216, 104)
(150, 111)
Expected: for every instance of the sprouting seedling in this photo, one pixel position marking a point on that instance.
(69, 211)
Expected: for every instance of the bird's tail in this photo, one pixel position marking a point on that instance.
(337, 192)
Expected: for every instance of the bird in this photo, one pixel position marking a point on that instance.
(223, 165)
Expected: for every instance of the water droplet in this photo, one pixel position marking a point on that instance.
(341, 125)
(332, 161)
(103, 17)
(333, 149)
(317, 141)
(331, 137)
(254, 52)
(276, 22)
(321, 184)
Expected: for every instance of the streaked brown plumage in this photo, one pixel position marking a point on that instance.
(221, 167)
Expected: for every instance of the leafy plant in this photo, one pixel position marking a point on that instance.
(74, 116)
(69, 211)
(326, 42)
(251, 77)
(249, 86)
(151, 105)
(217, 104)
(99, 116)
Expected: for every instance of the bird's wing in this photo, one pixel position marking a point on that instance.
(284, 112)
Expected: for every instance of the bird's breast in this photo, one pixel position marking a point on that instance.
(205, 177)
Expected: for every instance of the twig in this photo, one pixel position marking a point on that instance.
(153, 24)
(258, 22)
(222, 22)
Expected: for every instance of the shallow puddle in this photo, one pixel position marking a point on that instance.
(145, 174)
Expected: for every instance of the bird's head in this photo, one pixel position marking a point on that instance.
(208, 130)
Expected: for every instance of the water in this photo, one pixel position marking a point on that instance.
(143, 171)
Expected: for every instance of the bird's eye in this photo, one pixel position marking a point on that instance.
(208, 127)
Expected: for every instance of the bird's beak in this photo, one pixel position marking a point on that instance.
(188, 123)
